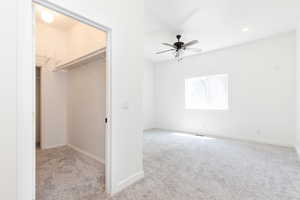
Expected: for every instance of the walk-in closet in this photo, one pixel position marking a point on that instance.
(70, 107)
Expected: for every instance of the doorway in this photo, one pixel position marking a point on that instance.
(72, 104)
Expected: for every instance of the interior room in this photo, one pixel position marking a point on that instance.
(222, 126)
(221, 96)
(214, 113)
(150, 100)
(70, 107)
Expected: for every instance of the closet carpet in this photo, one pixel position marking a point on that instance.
(65, 174)
(179, 167)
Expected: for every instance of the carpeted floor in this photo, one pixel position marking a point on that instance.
(65, 174)
(179, 167)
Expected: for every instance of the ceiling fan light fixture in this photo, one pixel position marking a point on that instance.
(179, 48)
(179, 54)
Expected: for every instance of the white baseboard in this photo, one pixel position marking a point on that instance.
(128, 181)
(86, 153)
(231, 137)
(52, 147)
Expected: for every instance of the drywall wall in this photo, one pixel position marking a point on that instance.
(86, 108)
(84, 39)
(261, 92)
(57, 45)
(53, 108)
(8, 87)
(148, 95)
(51, 45)
(298, 90)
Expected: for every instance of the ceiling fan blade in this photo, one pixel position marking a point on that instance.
(196, 50)
(190, 43)
(165, 51)
(169, 45)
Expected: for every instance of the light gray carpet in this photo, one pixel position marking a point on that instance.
(185, 167)
(65, 174)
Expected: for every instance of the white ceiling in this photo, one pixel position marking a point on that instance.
(215, 23)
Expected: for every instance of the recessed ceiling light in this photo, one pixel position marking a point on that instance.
(245, 29)
(47, 17)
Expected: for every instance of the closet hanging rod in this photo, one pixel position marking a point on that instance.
(81, 59)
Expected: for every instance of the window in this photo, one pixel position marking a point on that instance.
(209, 92)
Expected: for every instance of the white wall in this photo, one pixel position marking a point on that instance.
(51, 42)
(148, 96)
(84, 39)
(53, 108)
(126, 21)
(86, 107)
(298, 91)
(261, 92)
(8, 109)
(62, 45)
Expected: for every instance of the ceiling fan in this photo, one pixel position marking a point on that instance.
(179, 47)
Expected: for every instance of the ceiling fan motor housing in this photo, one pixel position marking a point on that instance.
(178, 44)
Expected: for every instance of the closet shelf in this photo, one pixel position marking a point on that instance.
(81, 60)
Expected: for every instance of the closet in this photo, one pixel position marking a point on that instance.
(70, 95)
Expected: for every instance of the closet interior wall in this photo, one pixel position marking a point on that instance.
(72, 100)
(86, 108)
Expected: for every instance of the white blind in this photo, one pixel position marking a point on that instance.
(209, 92)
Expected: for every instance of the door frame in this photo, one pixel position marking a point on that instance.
(26, 163)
